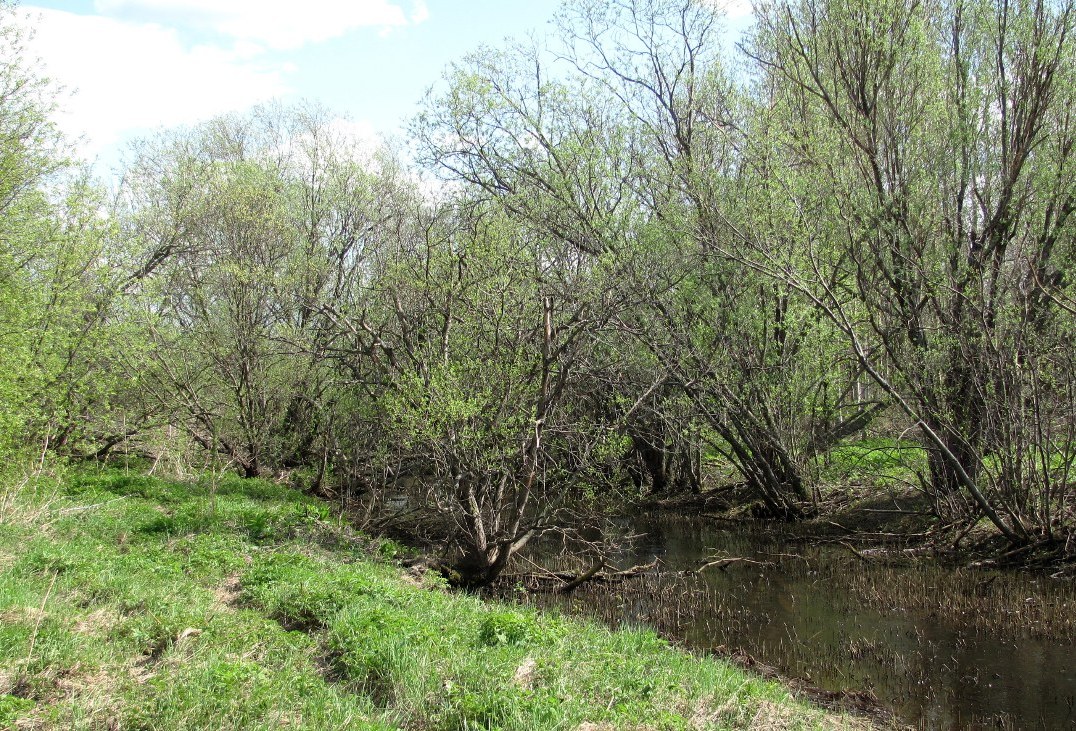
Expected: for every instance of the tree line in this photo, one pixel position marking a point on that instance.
(604, 264)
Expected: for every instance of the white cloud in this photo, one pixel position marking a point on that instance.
(120, 77)
(420, 12)
(359, 133)
(276, 24)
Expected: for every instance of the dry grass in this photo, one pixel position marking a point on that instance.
(226, 596)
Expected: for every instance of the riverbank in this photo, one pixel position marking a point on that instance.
(133, 602)
(942, 647)
(875, 519)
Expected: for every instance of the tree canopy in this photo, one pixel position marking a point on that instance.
(650, 262)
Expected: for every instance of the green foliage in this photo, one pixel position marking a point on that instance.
(59, 339)
(633, 265)
(500, 707)
(879, 461)
(507, 628)
(293, 589)
(12, 706)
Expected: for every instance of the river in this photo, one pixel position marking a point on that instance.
(942, 648)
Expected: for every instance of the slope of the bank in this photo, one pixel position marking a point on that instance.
(130, 602)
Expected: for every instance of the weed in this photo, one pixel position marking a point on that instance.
(11, 707)
(506, 627)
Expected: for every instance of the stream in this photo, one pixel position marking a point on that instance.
(941, 648)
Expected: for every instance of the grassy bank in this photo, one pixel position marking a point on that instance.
(129, 602)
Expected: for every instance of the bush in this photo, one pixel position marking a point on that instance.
(507, 628)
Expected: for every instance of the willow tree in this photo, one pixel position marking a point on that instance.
(927, 152)
(247, 224)
(56, 282)
(749, 353)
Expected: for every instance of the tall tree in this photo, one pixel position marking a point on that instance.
(247, 224)
(746, 352)
(927, 148)
(56, 287)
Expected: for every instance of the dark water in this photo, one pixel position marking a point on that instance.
(941, 648)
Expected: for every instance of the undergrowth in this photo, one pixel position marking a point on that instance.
(131, 602)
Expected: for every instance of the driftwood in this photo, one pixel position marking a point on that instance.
(881, 554)
(582, 578)
(858, 554)
(571, 581)
(724, 563)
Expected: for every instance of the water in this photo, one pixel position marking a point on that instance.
(942, 648)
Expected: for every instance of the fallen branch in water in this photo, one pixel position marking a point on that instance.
(717, 516)
(582, 578)
(629, 573)
(881, 554)
(573, 581)
(789, 555)
(859, 554)
(724, 563)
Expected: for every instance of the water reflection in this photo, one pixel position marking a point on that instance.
(822, 615)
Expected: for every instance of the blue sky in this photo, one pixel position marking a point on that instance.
(130, 67)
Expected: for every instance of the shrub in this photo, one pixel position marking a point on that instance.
(507, 628)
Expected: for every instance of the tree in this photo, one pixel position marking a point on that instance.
(928, 150)
(57, 337)
(749, 354)
(246, 225)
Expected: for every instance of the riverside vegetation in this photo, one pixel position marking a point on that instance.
(607, 268)
(138, 603)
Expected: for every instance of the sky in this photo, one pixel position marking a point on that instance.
(131, 67)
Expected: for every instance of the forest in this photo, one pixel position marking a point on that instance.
(608, 266)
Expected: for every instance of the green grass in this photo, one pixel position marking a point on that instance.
(129, 602)
(878, 461)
